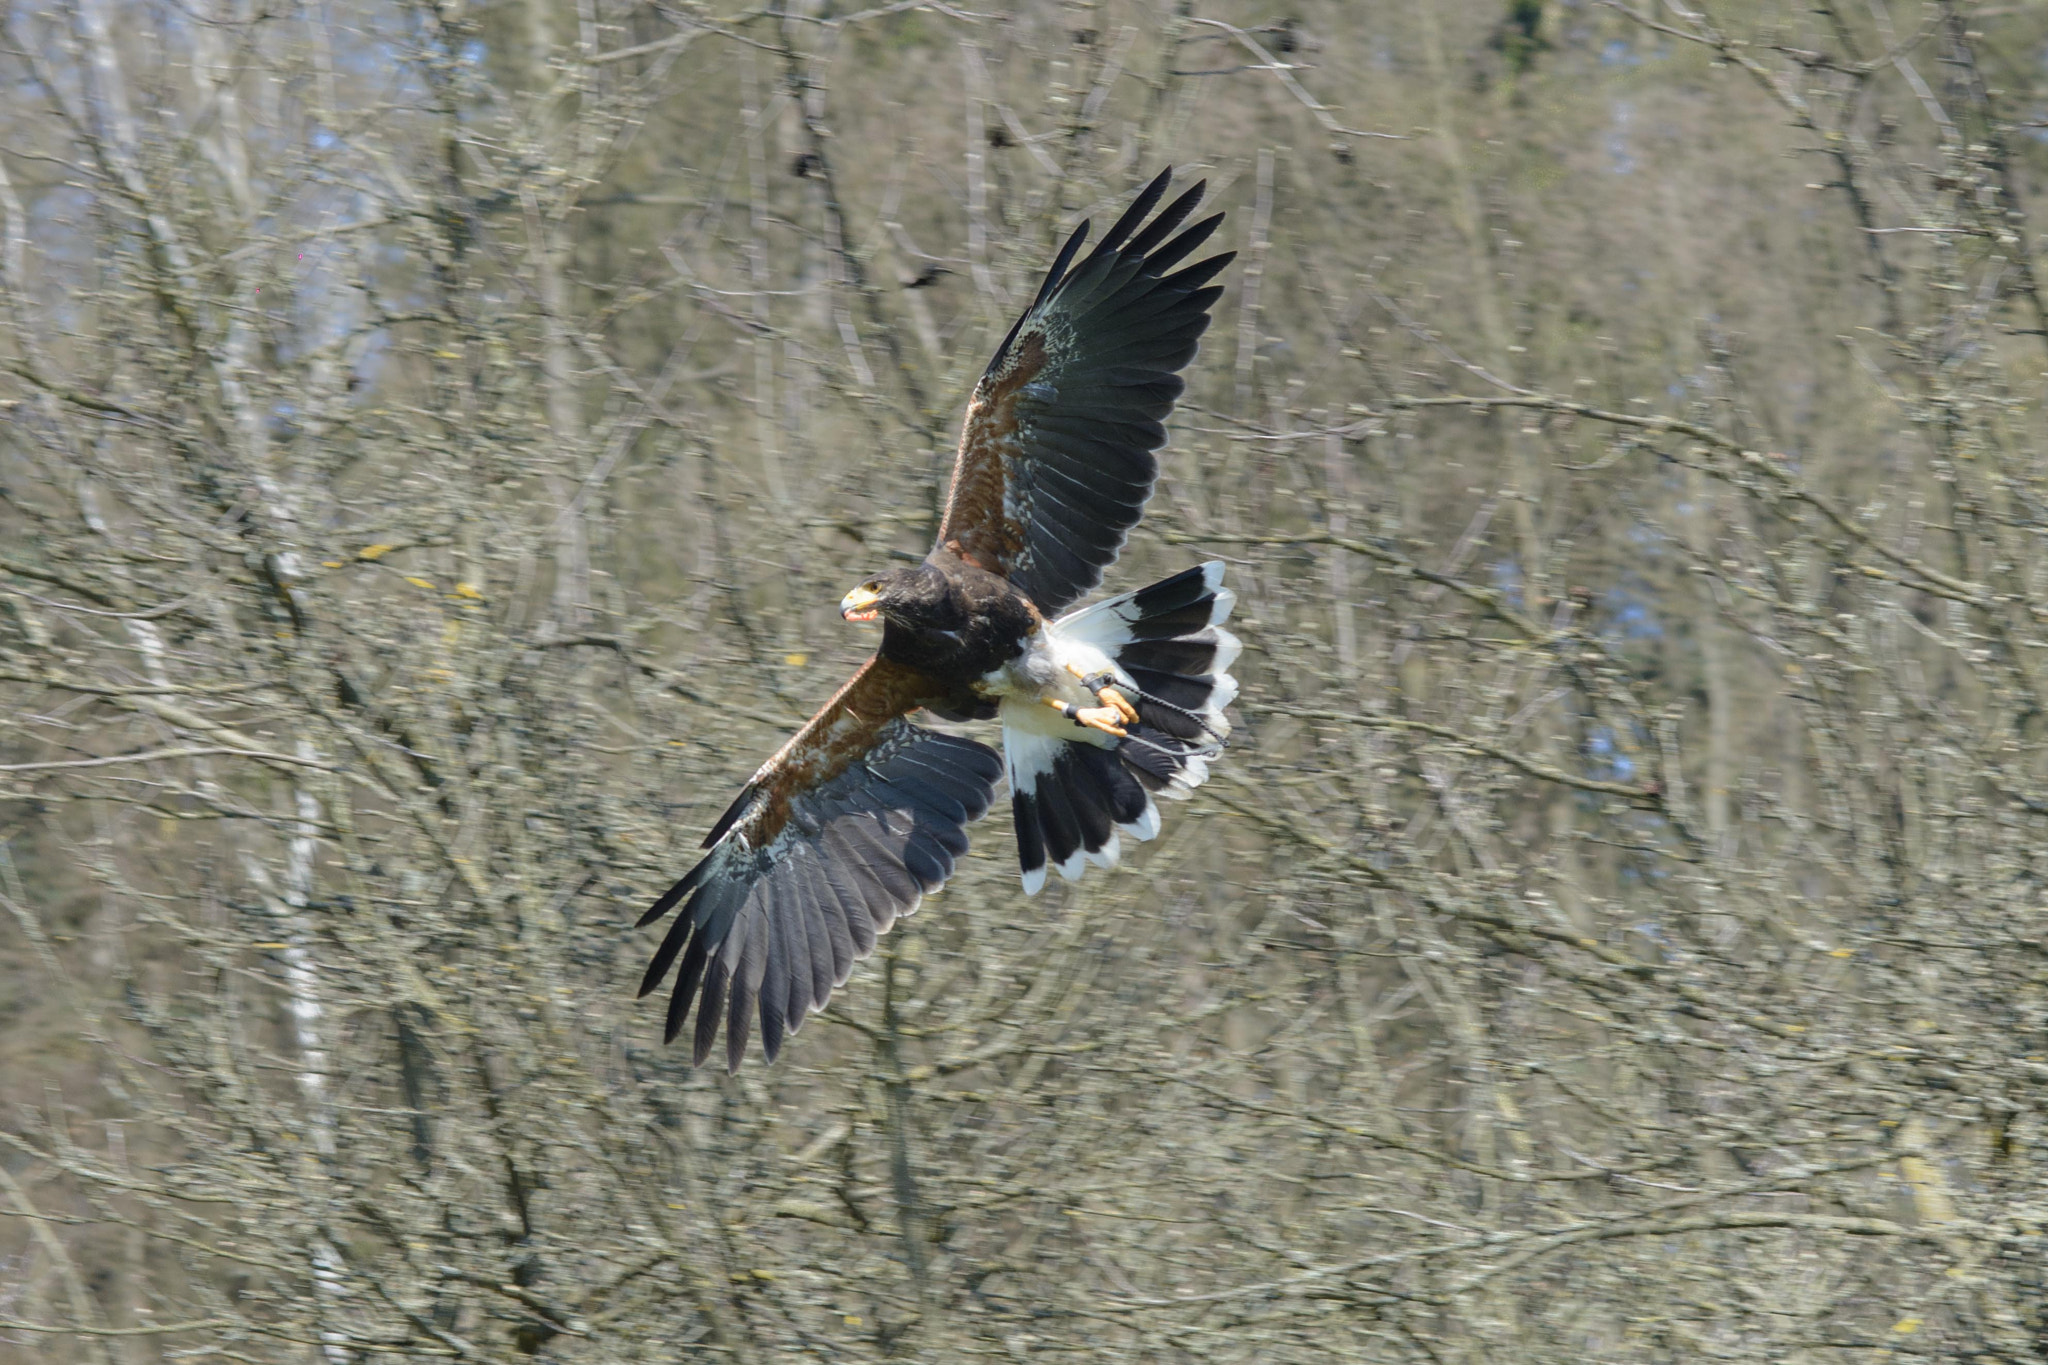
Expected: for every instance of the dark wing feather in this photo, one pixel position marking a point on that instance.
(848, 826)
(1056, 463)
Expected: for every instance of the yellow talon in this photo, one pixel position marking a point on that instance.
(1111, 699)
(1103, 718)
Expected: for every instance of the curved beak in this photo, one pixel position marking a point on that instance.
(859, 605)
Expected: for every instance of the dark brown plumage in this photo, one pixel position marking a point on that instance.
(861, 813)
(952, 621)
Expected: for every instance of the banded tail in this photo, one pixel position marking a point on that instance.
(1075, 791)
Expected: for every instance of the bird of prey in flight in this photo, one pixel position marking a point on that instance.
(1102, 708)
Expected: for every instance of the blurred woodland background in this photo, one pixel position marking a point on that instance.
(434, 437)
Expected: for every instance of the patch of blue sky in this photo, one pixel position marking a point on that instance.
(1629, 617)
(1653, 930)
(1507, 576)
(1600, 744)
(369, 365)
(1620, 160)
(68, 267)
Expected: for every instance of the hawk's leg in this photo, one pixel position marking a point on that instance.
(1103, 718)
(1103, 686)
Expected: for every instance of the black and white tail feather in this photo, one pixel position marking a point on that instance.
(1076, 791)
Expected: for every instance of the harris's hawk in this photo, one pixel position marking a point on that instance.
(862, 813)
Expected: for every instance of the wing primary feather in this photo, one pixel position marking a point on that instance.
(1200, 273)
(731, 817)
(839, 939)
(826, 893)
(1170, 218)
(853, 899)
(789, 961)
(771, 1027)
(690, 882)
(1058, 272)
(1178, 250)
(852, 857)
(881, 861)
(709, 1011)
(1133, 215)
(854, 864)
(1054, 278)
(819, 988)
(686, 987)
(738, 1024)
(780, 951)
(805, 971)
(671, 943)
(746, 988)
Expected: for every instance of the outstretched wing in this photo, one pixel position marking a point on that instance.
(1056, 462)
(844, 829)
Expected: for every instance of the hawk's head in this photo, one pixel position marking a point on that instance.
(909, 596)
